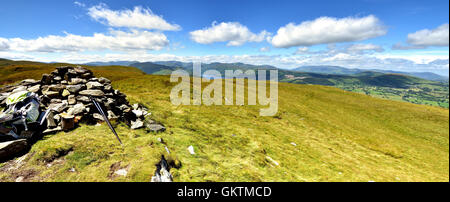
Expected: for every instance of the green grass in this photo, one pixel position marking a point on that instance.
(340, 136)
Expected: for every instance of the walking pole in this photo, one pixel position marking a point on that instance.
(99, 108)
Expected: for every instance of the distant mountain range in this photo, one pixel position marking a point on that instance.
(348, 71)
(165, 67)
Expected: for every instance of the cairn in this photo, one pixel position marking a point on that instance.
(66, 92)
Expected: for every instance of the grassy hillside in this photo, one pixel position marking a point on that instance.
(337, 136)
(12, 71)
(378, 83)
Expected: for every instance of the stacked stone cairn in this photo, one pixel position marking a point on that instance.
(67, 91)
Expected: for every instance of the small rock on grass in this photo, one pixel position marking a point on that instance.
(191, 150)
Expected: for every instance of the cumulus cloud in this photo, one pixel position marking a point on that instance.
(426, 38)
(232, 32)
(264, 49)
(434, 37)
(362, 48)
(352, 49)
(139, 17)
(326, 30)
(302, 50)
(114, 40)
(3, 44)
(79, 4)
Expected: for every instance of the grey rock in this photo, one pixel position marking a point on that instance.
(96, 93)
(155, 127)
(98, 116)
(104, 80)
(35, 88)
(137, 124)
(94, 85)
(191, 150)
(112, 116)
(162, 173)
(81, 70)
(57, 118)
(52, 130)
(50, 94)
(59, 107)
(55, 101)
(11, 148)
(51, 120)
(87, 75)
(108, 88)
(84, 99)
(46, 79)
(74, 88)
(77, 109)
(138, 112)
(55, 87)
(71, 100)
(75, 81)
(57, 78)
(28, 82)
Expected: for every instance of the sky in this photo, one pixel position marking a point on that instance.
(383, 34)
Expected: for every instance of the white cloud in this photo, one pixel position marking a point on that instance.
(79, 4)
(115, 40)
(361, 48)
(264, 49)
(326, 30)
(426, 37)
(3, 44)
(233, 32)
(302, 50)
(138, 18)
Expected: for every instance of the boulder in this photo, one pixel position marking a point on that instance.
(95, 93)
(59, 107)
(98, 116)
(51, 120)
(34, 89)
(51, 94)
(46, 79)
(162, 173)
(154, 127)
(83, 99)
(65, 93)
(51, 130)
(76, 109)
(74, 88)
(71, 100)
(137, 124)
(11, 148)
(104, 80)
(94, 85)
(138, 112)
(75, 81)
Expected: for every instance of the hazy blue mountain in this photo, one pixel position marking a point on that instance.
(154, 68)
(111, 63)
(349, 71)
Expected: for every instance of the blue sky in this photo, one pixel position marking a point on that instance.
(385, 34)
